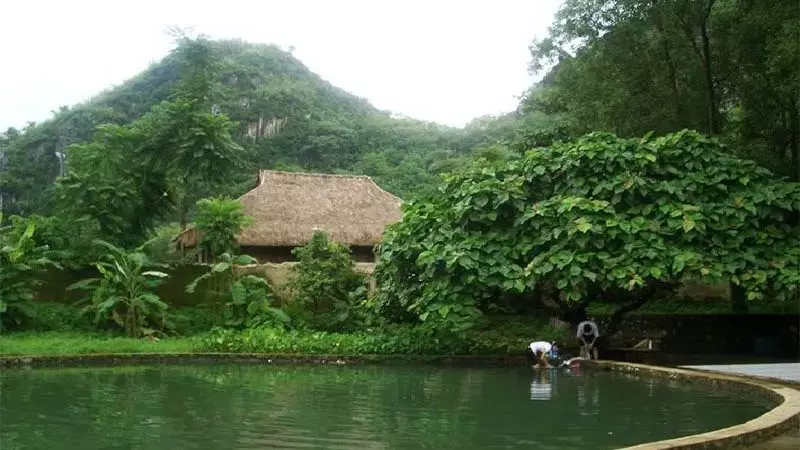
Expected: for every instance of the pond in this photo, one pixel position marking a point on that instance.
(343, 407)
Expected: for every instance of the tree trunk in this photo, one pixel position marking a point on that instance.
(703, 52)
(794, 142)
(738, 299)
(182, 217)
(672, 72)
(711, 97)
(650, 292)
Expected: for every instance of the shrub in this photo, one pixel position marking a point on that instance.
(54, 316)
(219, 221)
(395, 340)
(247, 298)
(124, 292)
(192, 320)
(326, 285)
(22, 262)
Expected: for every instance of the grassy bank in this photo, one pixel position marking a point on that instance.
(393, 340)
(75, 343)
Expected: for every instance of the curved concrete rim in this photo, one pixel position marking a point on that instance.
(779, 420)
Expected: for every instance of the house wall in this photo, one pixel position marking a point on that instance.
(276, 255)
(173, 290)
(270, 254)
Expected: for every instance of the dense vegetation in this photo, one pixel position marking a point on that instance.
(560, 208)
(728, 68)
(597, 219)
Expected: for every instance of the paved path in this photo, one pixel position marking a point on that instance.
(783, 371)
(789, 441)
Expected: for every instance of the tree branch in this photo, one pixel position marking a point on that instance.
(651, 291)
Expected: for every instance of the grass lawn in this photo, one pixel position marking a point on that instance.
(64, 343)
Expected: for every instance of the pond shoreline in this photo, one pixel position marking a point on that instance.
(252, 358)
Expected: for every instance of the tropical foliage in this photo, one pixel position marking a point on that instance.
(325, 284)
(247, 298)
(22, 264)
(599, 218)
(123, 294)
(396, 340)
(219, 221)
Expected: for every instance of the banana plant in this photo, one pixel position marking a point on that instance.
(124, 293)
(247, 298)
(22, 263)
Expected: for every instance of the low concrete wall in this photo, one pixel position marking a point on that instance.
(779, 420)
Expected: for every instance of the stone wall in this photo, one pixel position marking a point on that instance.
(173, 289)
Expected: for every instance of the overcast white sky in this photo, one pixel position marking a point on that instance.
(447, 61)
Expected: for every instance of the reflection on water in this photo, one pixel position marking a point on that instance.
(541, 388)
(588, 396)
(209, 407)
(586, 388)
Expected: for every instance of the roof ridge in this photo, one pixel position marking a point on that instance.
(316, 174)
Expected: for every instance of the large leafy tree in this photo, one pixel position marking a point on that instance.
(187, 137)
(600, 218)
(131, 177)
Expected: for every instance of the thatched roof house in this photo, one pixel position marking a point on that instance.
(287, 207)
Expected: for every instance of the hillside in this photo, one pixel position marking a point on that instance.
(288, 118)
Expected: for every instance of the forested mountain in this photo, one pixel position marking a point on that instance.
(286, 118)
(729, 68)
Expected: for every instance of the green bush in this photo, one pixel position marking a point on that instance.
(328, 292)
(192, 320)
(247, 298)
(22, 262)
(54, 316)
(397, 340)
(219, 221)
(123, 294)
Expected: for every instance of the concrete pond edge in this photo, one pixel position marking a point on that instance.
(782, 418)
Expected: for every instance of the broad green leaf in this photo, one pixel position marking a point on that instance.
(688, 224)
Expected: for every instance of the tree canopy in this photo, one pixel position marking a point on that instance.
(725, 67)
(602, 217)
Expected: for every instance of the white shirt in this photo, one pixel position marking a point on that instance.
(593, 325)
(541, 346)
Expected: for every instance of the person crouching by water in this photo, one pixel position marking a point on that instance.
(588, 334)
(541, 352)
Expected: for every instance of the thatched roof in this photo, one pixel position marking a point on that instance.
(287, 207)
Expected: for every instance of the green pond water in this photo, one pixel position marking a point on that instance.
(350, 407)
